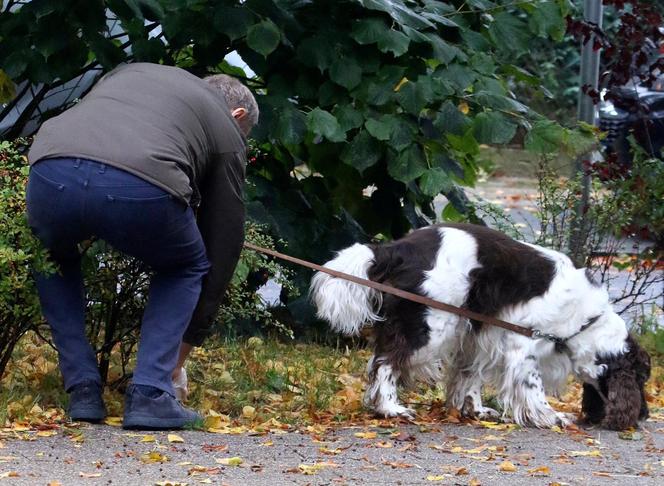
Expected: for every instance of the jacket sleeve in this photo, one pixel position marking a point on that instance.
(221, 223)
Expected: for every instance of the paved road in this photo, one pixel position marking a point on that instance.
(404, 454)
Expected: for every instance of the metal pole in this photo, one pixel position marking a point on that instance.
(587, 112)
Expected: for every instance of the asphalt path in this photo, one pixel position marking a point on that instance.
(399, 454)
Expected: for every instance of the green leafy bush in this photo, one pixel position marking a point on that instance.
(20, 253)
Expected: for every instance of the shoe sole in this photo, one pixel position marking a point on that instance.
(154, 423)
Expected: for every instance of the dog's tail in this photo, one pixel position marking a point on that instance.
(347, 306)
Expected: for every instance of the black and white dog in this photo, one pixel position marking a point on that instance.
(490, 273)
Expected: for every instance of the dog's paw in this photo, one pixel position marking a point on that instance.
(397, 411)
(487, 413)
(564, 419)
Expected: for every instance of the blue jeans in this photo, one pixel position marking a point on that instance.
(70, 200)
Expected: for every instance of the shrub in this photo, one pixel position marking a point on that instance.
(20, 252)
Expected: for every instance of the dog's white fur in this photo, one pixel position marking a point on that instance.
(521, 369)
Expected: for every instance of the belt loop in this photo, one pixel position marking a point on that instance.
(77, 163)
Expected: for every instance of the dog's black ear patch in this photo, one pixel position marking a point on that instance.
(511, 272)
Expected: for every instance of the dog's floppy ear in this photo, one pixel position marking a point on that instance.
(592, 404)
(624, 402)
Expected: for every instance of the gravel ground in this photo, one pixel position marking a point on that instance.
(406, 454)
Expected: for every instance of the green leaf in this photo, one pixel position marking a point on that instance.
(233, 22)
(397, 10)
(346, 72)
(545, 137)
(348, 117)
(310, 53)
(375, 31)
(443, 51)
(146, 9)
(459, 76)
(290, 127)
(362, 152)
(7, 88)
(520, 74)
(407, 165)
(465, 144)
(323, 123)
(547, 19)
(450, 213)
(493, 127)
(414, 96)
(434, 181)
(263, 37)
(378, 129)
(450, 120)
(510, 33)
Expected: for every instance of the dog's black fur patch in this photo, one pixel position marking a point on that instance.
(402, 264)
(511, 272)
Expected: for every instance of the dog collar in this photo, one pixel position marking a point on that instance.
(560, 343)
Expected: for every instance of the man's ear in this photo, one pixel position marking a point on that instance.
(239, 113)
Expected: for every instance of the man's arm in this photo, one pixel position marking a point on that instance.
(221, 223)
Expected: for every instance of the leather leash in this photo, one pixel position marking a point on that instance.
(420, 299)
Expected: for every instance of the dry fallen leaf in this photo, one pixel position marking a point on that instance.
(113, 421)
(148, 438)
(507, 466)
(593, 453)
(89, 475)
(47, 433)
(474, 482)
(152, 457)
(314, 468)
(540, 470)
(175, 438)
(365, 435)
(437, 478)
(9, 474)
(229, 461)
(170, 483)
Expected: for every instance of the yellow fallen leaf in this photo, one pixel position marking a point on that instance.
(268, 443)
(365, 435)
(314, 468)
(384, 445)
(9, 474)
(464, 108)
(474, 482)
(47, 433)
(543, 470)
(113, 421)
(437, 478)
(152, 457)
(557, 429)
(507, 466)
(229, 461)
(593, 453)
(89, 475)
(206, 481)
(54, 483)
(330, 452)
(175, 438)
(248, 412)
(148, 438)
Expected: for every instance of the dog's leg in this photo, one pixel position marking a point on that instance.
(381, 394)
(464, 390)
(522, 391)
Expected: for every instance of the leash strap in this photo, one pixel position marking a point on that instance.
(420, 299)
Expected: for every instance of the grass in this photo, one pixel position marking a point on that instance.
(254, 381)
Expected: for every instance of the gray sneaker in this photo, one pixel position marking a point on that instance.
(155, 410)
